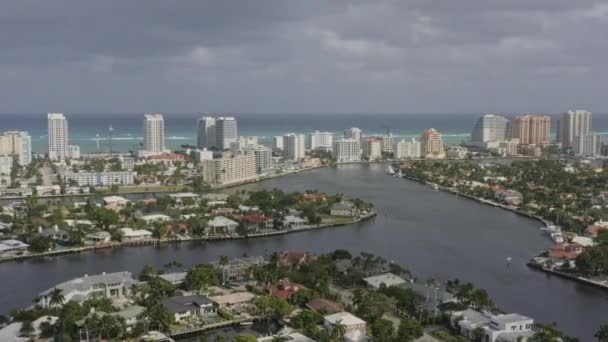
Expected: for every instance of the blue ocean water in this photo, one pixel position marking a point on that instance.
(180, 128)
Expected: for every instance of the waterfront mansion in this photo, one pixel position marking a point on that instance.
(107, 285)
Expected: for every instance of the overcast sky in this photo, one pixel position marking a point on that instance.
(303, 56)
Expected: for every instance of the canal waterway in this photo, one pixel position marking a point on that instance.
(434, 234)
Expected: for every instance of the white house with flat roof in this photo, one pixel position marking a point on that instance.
(181, 196)
(12, 246)
(293, 221)
(496, 328)
(107, 285)
(155, 218)
(354, 326)
(115, 202)
(387, 279)
(128, 234)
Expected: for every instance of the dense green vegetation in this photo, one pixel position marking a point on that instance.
(593, 261)
(188, 217)
(569, 197)
(393, 314)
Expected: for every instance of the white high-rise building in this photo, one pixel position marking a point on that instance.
(18, 144)
(294, 146)
(25, 153)
(407, 149)
(277, 142)
(372, 148)
(574, 123)
(220, 133)
(154, 133)
(319, 140)
(263, 157)
(587, 145)
(347, 150)
(206, 133)
(58, 136)
(226, 132)
(74, 151)
(353, 133)
(6, 165)
(490, 127)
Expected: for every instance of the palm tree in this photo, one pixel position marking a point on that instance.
(27, 328)
(358, 297)
(224, 260)
(602, 334)
(338, 331)
(92, 325)
(56, 297)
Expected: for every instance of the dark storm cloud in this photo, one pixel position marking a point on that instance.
(138, 28)
(276, 55)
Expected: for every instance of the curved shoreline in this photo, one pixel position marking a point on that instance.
(531, 264)
(540, 219)
(156, 242)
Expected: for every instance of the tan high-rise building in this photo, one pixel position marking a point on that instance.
(372, 148)
(229, 169)
(532, 129)
(18, 144)
(431, 144)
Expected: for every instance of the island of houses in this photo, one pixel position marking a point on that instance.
(33, 228)
(293, 295)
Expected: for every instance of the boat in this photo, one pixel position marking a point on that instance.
(551, 228)
(389, 170)
(557, 237)
(245, 324)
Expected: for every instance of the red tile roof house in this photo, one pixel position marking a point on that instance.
(257, 221)
(565, 251)
(284, 289)
(594, 229)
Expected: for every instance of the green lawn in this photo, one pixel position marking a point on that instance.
(337, 220)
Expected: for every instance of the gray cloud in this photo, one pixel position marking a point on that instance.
(275, 55)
